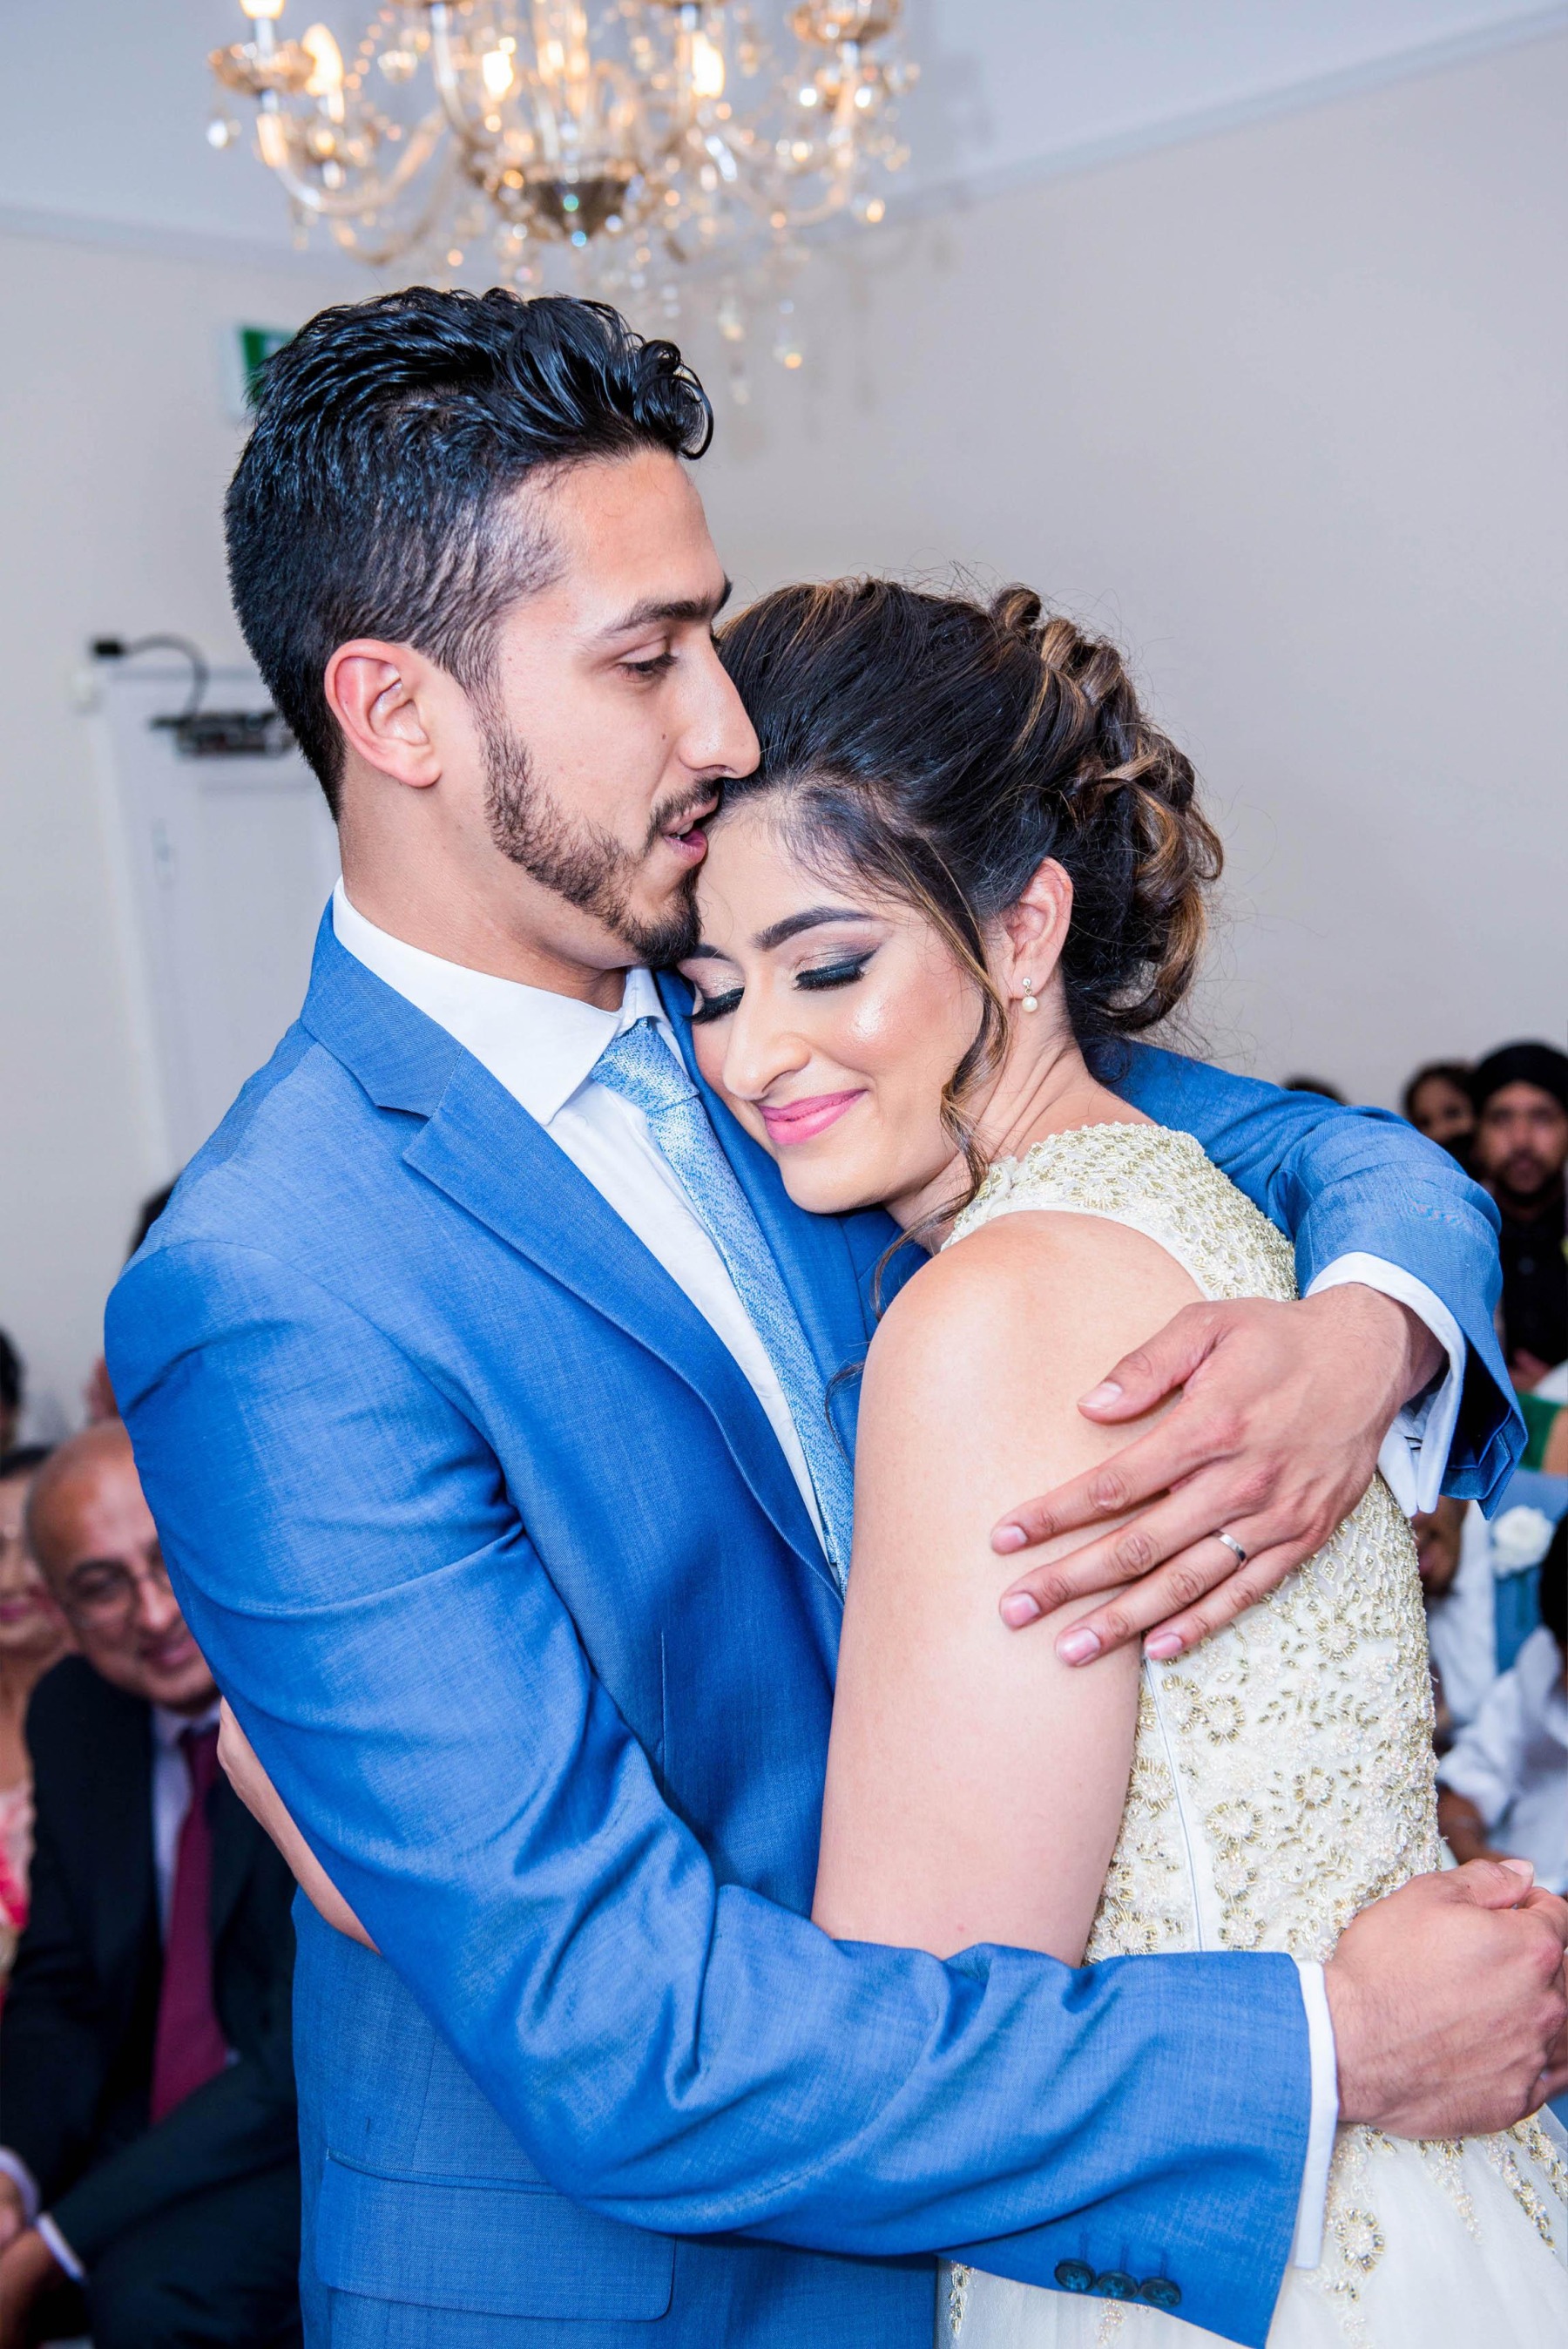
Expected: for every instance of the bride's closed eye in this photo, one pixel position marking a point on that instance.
(814, 980)
(714, 1007)
(842, 973)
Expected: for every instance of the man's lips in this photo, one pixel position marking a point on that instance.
(686, 837)
(170, 1654)
(800, 1120)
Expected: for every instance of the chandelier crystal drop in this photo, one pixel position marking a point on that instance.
(625, 150)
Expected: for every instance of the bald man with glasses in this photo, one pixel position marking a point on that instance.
(147, 2156)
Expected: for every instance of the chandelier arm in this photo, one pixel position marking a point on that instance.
(403, 240)
(328, 204)
(445, 75)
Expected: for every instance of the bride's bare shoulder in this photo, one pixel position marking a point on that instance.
(1059, 1294)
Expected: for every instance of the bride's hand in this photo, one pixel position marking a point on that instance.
(261, 1799)
(1282, 1412)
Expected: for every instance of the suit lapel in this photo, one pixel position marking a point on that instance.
(236, 1841)
(483, 1150)
(488, 1155)
(122, 1896)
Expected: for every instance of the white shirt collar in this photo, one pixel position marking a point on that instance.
(541, 1047)
(169, 1728)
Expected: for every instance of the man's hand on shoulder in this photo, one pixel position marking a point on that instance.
(1283, 1411)
(1449, 2004)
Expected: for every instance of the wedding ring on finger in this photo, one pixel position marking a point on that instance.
(1231, 1543)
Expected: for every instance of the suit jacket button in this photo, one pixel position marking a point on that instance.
(1116, 2284)
(1075, 2275)
(1160, 2293)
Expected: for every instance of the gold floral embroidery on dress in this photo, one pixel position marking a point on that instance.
(1283, 1773)
(1544, 2198)
(1444, 2160)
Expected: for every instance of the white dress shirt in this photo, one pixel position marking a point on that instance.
(543, 1048)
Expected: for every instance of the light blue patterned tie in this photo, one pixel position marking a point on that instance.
(640, 1066)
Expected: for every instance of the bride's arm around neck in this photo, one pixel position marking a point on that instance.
(976, 1784)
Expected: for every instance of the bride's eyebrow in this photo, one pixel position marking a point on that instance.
(777, 933)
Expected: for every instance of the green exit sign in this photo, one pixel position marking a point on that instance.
(257, 346)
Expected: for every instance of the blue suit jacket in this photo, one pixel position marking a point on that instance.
(489, 1542)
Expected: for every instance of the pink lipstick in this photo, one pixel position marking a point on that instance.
(800, 1120)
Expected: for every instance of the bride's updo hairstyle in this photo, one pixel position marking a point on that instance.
(941, 748)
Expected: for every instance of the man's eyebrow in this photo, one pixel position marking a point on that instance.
(811, 919)
(654, 608)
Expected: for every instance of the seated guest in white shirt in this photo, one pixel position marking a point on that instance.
(149, 2165)
(1504, 1785)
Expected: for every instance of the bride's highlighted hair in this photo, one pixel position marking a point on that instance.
(942, 748)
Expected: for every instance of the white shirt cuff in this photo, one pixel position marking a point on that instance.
(13, 2167)
(1416, 1449)
(1306, 2246)
(64, 2255)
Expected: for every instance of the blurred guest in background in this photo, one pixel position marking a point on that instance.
(149, 2151)
(1437, 1104)
(1520, 1096)
(1503, 1788)
(33, 1636)
(1438, 1533)
(10, 1393)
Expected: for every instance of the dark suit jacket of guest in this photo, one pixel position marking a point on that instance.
(77, 2034)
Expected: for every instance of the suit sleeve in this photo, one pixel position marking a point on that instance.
(1348, 1182)
(233, 2126)
(680, 2055)
(51, 2050)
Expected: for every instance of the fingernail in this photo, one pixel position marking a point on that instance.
(1162, 1647)
(1006, 1537)
(1524, 1868)
(1099, 1397)
(1078, 1646)
(1019, 1610)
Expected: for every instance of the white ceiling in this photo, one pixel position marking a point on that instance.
(109, 99)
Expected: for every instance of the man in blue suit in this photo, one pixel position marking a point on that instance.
(506, 1540)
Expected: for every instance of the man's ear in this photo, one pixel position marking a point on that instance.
(377, 692)
(1035, 927)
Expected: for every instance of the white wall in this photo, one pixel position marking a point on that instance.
(114, 446)
(1285, 410)
(1282, 408)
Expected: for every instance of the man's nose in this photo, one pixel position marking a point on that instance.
(157, 1609)
(719, 737)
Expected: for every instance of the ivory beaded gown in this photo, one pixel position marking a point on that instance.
(1282, 1778)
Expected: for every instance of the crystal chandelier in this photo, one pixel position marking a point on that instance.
(624, 150)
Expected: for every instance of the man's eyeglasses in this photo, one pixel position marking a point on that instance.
(105, 1593)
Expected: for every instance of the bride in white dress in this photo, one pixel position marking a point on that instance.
(903, 954)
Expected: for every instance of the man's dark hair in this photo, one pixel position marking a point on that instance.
(10, 1375)
(371, 496)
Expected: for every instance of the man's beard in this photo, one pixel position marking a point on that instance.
(588, 867)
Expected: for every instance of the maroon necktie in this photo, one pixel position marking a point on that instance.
(189, 2049)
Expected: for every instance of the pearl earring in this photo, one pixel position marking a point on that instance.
(1031, 1000)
